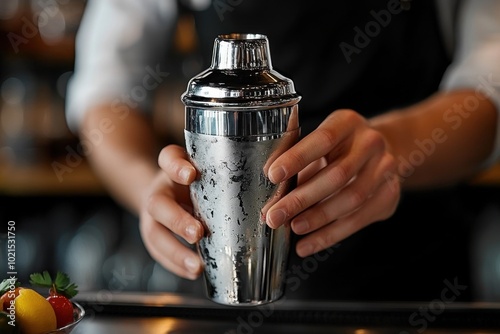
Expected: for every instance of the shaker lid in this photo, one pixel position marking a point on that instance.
(240, 76)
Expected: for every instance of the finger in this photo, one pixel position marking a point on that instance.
(349, 199)
(317, 144)
(328, 180)
(323, 184)
(168, 251)
(167, 212)
(174, 160)
(379, 207)
(312, 169)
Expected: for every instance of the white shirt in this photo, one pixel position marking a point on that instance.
(117, 58)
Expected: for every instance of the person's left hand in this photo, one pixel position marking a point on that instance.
(347, 179)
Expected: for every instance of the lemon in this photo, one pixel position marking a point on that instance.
(34, 313)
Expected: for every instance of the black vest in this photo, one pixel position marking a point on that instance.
(367, 55)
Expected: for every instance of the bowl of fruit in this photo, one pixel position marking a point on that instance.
(78, 314)
(42, 308)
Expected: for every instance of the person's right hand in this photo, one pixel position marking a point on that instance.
(166, 222)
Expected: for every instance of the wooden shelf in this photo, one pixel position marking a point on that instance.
(43, 180)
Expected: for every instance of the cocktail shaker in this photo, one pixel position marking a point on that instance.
(240, 115)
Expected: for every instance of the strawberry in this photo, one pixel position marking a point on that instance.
(61, 290)
(63, 309)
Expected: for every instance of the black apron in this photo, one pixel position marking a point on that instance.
(369, 56)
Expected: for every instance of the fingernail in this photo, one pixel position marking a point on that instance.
(300, 226)
(184, 174)
(276, 217)
(192, 265)
(277, 174)
(305, 249)
(192, 233)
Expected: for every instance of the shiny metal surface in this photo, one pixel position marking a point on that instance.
(241, 52)
(245, 260)
(240, 115)
(238, 123)
(78, 316)
(240, 77)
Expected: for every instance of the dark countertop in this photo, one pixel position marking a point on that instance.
(172, 313)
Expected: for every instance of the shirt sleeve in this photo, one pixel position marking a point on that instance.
(119, 52)
(476, 63)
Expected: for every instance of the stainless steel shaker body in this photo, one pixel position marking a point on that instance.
(240, 115)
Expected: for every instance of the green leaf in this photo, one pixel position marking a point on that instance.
(6, 283)
(61, 285)
(62, 280)
(71, 290)
(43, 279)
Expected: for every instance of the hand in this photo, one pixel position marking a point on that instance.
(166, 215)
(346, 180)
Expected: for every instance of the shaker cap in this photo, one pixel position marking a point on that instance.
(240, 76)
(241, 52)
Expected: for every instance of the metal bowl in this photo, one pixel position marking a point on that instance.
(78, 314)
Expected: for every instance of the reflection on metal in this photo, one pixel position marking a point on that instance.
(245, 260)
(240, 116)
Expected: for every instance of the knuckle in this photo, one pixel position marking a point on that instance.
(168, 159)
(339, 175)
(155, 203)
(373, 141)
(321, 216)
(298, 203)
(176, 225)
(326, 137)
(389, 163)
(298, 158)
(357, 198)
(152, 203)
(352, 116)
(164, 154)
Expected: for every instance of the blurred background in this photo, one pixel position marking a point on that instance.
(64, 218)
